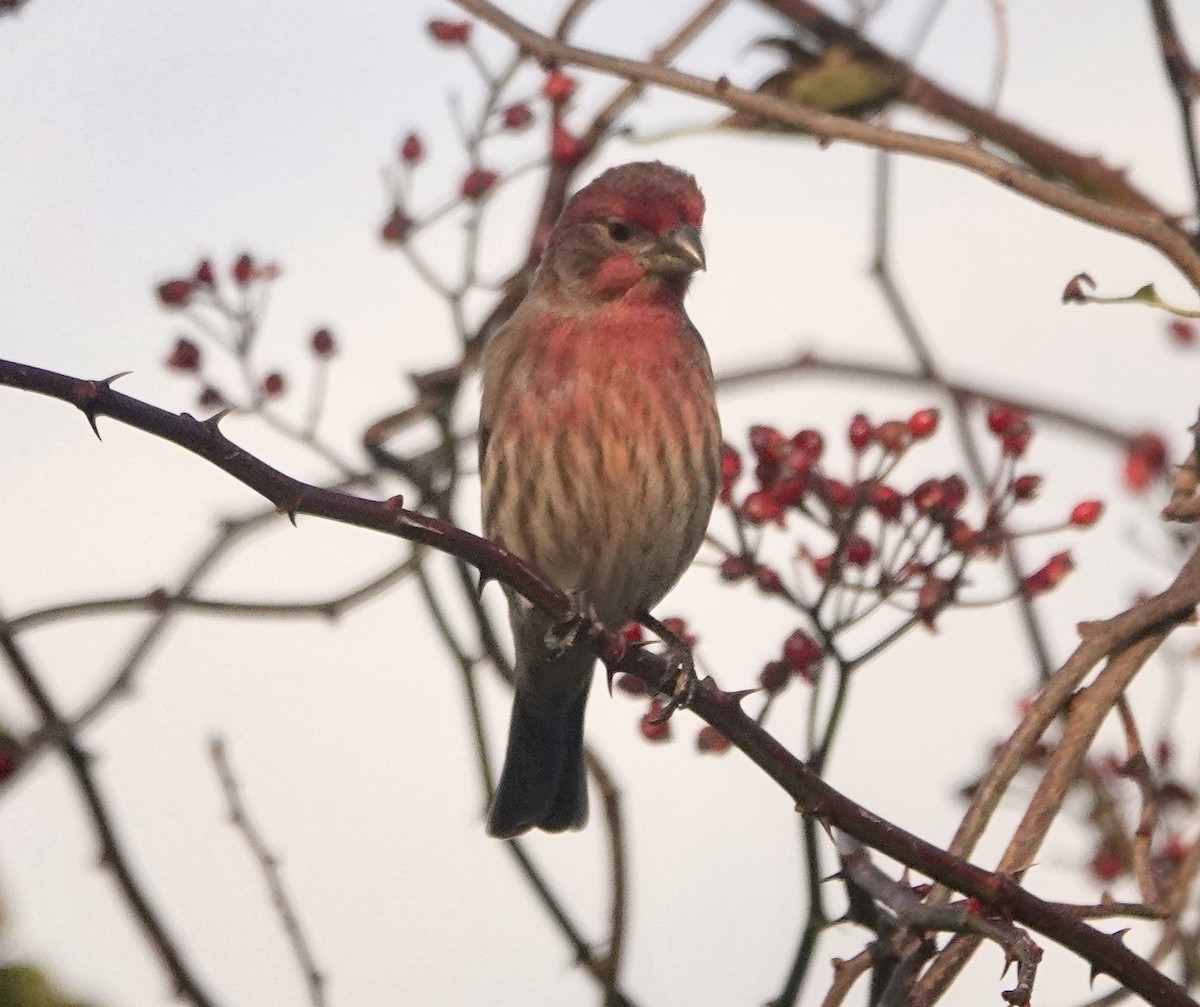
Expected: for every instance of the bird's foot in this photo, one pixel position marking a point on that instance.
(582, 617)
(679, 683)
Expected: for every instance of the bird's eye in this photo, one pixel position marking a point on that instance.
(619, 231)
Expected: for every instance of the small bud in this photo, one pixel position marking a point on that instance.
(244, 270)
(204, 274)
(412, 150)
(564, 147)
(954, 493)
(932, 597)
(711, 741)
(396, 228)
(822, 565)
(211, 398)
(517, 116)
(175, 293)
(632, 632)
(1017, 439)
(789, 490)
(838, 493)
(1026, 487)
(184, 357)
(1074, 293)
(450, 32)
(731, 468)
(676, 625)
(273, 385)
(478, 182)
(323, 343)
(558, 86)
(923, 423)
(1086, 513)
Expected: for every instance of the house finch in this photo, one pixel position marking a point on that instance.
(600, 455)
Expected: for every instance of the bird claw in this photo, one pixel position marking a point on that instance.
(562, 635)
(681, 670)
(681, 673)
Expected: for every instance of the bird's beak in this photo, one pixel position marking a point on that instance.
(680, 249)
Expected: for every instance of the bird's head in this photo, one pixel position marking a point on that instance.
(636, 226)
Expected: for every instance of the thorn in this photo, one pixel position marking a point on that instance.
(393, 505)
(740, 694)
(1120, 934)
(213, 422)
(838, 876)
(1094, 971)
(107, 382)
(611, 673)
(90, 413)
(483, 581)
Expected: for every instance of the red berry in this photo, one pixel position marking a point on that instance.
(774, 676)
(1017, 439)
(954, 492)
(1182, 333)
(1026, 487)
(822, 565)
(323, 344)
(175, 293)
(517, 116)
(204, 274)
(1049, 576)
(761, 506)
(809, 443)
(652, 731)
(243, 269)
(211, 398)
(861, 432)
(1106, 864)
(858, 551)
(632, 632)
(923, 423)
(801, 652)
(396, 228)
(768, 444)
(558, 86)
(412, 149)
(1163, 752)
(564, 147)
(887, 502)
(736, 568)
(928, 496)
(1146, 459)
(1000, 419)
(450, 32)
(838, 493)
(185, 356)
(731, 468)
(789, 490)
(478, 182)
(273, 385)
(768, 580)
(711, 740)
(1086, 513)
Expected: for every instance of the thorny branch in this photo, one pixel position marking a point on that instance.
(1127, 638)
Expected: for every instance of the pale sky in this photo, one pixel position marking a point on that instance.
(137, 137)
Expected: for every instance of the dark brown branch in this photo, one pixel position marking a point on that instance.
(112, 855)
(1088, 174)
(268, 865)
(722, 710)
(1147, 227)
(1185, 84)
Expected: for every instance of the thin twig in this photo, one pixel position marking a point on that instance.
(268, 865)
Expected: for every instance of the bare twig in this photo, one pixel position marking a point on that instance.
(112, 855)
(268, 865)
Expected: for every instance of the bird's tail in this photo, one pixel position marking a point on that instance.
(543, 784)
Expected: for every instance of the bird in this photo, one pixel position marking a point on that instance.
(600, 450)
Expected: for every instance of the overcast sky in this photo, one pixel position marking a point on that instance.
(136, 137)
